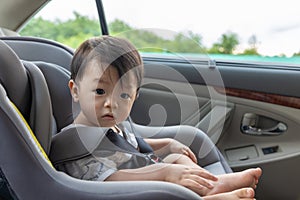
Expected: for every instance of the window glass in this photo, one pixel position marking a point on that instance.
(262, 31)
(258, 31)
(69, 22)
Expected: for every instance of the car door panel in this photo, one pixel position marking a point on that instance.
(170, 103)
(164, 106)
(181, 93)
(249, 77)
(275, 154)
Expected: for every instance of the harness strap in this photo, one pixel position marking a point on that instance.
(77, 142)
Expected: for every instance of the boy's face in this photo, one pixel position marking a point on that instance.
(104, 98)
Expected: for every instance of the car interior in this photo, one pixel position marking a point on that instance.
(47, 84)
(233, 115)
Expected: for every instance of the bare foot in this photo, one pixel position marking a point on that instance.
(240, 194)
(234, 181)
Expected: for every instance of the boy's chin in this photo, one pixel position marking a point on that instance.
(107, 124)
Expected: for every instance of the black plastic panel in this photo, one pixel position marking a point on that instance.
(273, 79)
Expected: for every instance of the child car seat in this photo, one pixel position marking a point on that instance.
(38, 91)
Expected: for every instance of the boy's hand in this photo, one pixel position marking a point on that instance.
(177, 147)
(198, 180)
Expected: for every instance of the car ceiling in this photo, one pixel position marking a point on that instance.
(14, 13)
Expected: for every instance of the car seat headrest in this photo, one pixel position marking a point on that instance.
(14, 79)
(62, 104)
(26, 87)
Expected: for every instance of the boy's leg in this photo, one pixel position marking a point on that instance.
(239, 194)
(225, 182)
(236, 180)
(180, 159)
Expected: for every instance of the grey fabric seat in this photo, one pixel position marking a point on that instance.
(38, 49)
(41, 94)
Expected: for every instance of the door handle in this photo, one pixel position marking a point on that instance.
(250, 125)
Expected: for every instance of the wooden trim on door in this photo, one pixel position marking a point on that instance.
(293, 102)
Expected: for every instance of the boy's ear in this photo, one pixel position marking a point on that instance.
(74, 90)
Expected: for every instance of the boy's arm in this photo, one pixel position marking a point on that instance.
(160, 146)
(155, 172)
(194, 178)
(165, 146)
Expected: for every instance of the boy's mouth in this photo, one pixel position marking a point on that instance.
(108, 116)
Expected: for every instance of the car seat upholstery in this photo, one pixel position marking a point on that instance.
(38, 89)
(24, 163)
(57, 79)
(36, 49)
(207, 153)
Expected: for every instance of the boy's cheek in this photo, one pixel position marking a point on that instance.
(123, 115)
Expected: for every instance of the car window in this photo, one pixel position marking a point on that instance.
(69, 25)
(232, 30)
(254, 30)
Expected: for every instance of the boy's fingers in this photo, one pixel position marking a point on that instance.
(190, 183)
(192, 156)
(204, 174)
(202, 181)
(188, 152)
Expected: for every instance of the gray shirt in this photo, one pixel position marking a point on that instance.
(99, 165)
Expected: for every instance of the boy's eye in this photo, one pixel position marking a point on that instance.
(100, 91)
(125, 96)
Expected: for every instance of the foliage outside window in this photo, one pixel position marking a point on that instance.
(79, 27)
(70, 32)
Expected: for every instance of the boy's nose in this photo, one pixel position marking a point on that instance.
(110, 102)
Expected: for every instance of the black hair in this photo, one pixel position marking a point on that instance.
(109, 51)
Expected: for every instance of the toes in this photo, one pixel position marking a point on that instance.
(245, 193)
(259, 172)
